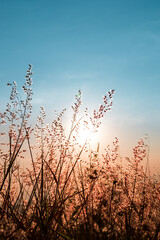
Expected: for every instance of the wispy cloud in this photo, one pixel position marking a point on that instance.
(76, 76)
(37, 101)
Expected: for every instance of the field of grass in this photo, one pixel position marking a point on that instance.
(69, 191)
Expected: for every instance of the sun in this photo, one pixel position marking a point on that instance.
(85, 135)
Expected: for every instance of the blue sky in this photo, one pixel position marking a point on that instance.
(93, 46)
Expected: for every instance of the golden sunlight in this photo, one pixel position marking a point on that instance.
(86, 135)
(83, 135)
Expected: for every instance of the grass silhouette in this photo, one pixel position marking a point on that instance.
(64, 195)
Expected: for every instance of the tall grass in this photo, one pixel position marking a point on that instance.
(69, 191)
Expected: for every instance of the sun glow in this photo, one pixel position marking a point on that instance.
(85, 135)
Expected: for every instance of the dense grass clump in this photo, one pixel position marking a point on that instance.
(69, 191)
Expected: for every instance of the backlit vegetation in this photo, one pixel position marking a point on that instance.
(70, 191)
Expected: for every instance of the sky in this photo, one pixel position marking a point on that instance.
(92, 45)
